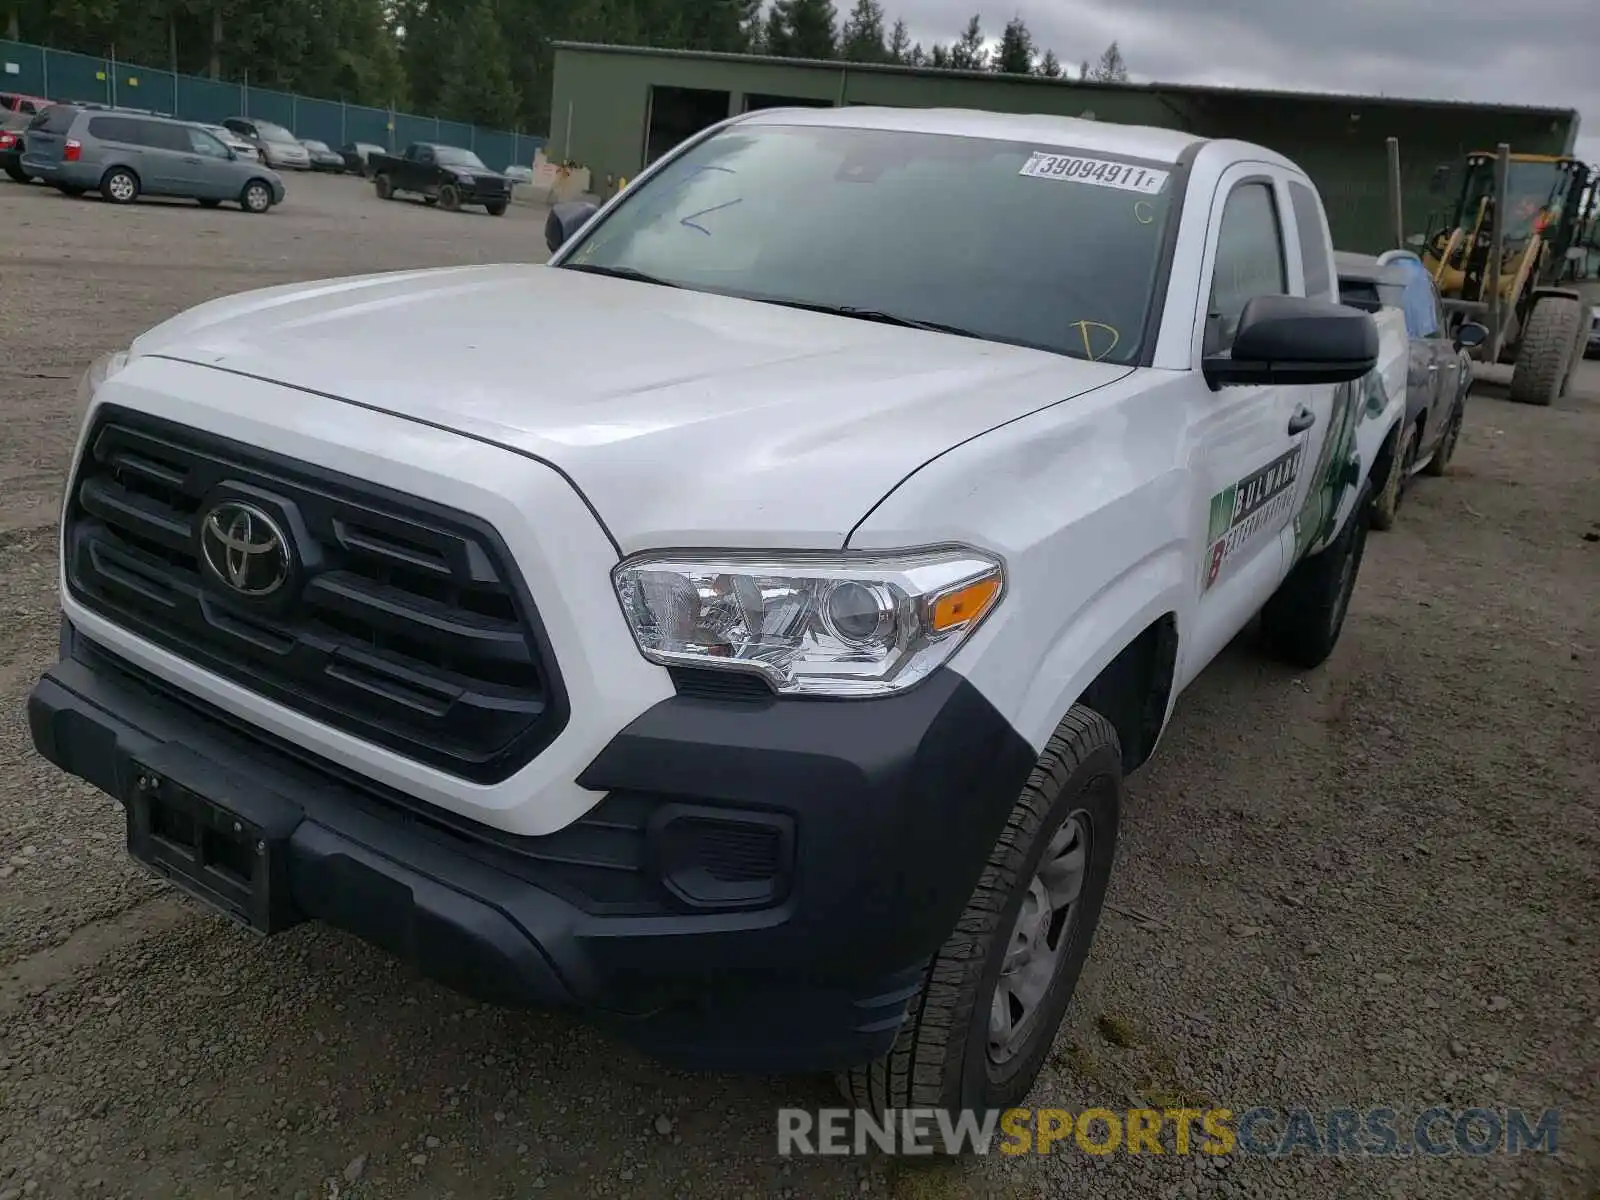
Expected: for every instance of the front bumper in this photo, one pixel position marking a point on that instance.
(882, 814)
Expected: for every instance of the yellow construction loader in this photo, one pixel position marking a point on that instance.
(1518, 252)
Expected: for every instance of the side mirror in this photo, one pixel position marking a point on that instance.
(1470, 334)
(1293, 339)
(565, 220)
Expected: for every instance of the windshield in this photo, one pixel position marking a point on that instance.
(312, 144)
(453, 156)
(273, 133)
(1014, 242)
(1535, 195)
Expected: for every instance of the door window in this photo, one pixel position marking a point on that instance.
(202, 142)
(1313, 242)
(161, 136)
(1249, 262)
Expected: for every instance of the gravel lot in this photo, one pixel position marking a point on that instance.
(1375, 885)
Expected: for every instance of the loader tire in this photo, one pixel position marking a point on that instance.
(1544, 358)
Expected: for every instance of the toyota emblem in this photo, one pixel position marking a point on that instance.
(245, 549)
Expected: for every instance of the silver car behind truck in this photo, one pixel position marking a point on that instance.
(123, 155)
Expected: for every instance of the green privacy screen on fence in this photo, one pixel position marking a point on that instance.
(60, 75)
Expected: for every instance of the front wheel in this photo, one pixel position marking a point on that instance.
(495, 208)
(384, 186)
(1440, 462)
(450, 198)
(978, 1031)
(1302, 621)
(256, 197)
(1544, 356)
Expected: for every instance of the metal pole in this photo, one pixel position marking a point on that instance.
(1502, 173)
(244, 94)
(343, 122)
(566, 151)
(1396, 209)
(44, 70)
(111, 75)
(294, 113)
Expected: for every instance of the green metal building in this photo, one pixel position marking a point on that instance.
(616, 108)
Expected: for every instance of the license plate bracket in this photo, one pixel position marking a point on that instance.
(223, 842)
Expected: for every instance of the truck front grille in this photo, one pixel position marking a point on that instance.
(404, 623)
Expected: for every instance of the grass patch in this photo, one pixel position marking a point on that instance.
(1117, 1029)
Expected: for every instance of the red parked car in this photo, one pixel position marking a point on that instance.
(16, 110)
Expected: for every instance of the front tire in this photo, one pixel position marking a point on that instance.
(1445, 450)
(256, 197)
(119, 186)
(450, 198)
(1302, 621)
(1545, 351)
(384, 186)
(495, 208)
(978, 1031)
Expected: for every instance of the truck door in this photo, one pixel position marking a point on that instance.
(1247, 443)
(1330, 406)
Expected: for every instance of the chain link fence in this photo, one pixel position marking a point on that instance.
(62, 75)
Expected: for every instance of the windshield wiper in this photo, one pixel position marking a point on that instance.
(878, 316)
(618, 273)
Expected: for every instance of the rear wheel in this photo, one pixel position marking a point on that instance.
(1302, 621)
(1386, 504)
(1544, 357)
(16, 173)
(119, 185)
(384, 186)
(979, 1029)
(256, 197)
(450, 198)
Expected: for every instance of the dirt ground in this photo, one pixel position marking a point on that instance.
(1375, 885)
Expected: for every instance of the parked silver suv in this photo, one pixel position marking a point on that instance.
(123, 155)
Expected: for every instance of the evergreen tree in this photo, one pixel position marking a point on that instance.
(900, 43)
(1016, 49)
(802, 28)
(916, 56)
(939, 57)
(969, 52)
(862, 37)
(477, 84)
(1050, 65)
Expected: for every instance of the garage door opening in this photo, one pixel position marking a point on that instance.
(754, 102)
(679, 113)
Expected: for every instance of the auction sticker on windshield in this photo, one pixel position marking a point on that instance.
(1101, 172)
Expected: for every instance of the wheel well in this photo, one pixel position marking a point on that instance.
(1133, 689)
(125, 169)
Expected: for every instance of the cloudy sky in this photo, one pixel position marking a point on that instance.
(1503, 51)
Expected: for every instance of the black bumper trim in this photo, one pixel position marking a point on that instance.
(893, 805)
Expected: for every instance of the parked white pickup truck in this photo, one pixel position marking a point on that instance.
(739, 628)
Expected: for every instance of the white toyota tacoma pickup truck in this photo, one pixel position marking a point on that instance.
(740, 627)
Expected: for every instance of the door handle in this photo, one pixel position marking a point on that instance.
(1302, 420)
(192, 158)
(1432, 367)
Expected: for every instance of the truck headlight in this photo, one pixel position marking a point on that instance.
(92, 380)
(835, 625)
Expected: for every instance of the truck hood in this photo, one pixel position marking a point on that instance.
(685, 418)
